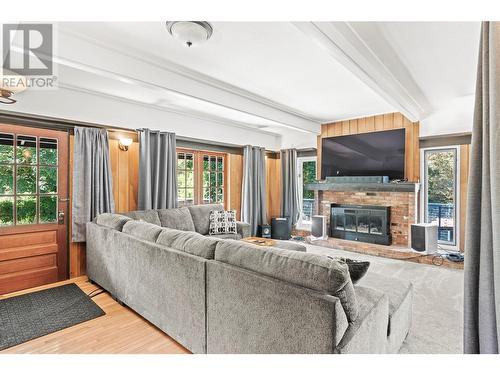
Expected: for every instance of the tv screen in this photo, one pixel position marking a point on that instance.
(369, 154)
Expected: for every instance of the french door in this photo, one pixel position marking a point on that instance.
(440, 195)
(33, 207)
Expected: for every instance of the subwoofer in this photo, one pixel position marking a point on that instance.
(281, 228)
(264, 231)
(424, 238)
(318, 228)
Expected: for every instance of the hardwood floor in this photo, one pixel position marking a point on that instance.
(121, 330)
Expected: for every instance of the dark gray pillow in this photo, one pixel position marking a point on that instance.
(114, 221)
(357, 268)
(176, 218)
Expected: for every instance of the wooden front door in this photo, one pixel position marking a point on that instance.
(33, 207)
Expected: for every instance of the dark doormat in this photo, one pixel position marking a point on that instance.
(32, 315)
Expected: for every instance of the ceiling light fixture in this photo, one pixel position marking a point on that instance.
(10, 83)
(190, 32)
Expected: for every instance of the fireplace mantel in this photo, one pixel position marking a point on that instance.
(404, 187)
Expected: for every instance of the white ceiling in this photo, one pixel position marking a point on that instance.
(277, 78)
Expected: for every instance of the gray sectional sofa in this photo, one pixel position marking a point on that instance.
(219, 295)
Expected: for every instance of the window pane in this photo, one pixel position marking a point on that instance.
(213, 195)
(48, 151)
(26, 180)
(26, 149)
(308, 176)
(48, 209)
(206, 163)
(213, 179)
(6, 148)
(206, 195)
(189, 162)
(220, 179)
(181, 195)
(220, 195)
(441, 169)
(181, 178)
(181, 163)
(206, 179)
(6, 211)
(26, 210)
(220, 163)
(6, 179)
(213, 163)
(190, 195)
(47, 182)
(189, 179)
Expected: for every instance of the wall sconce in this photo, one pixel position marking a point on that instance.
(124, 143)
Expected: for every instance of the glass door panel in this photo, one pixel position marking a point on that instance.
(440, 168)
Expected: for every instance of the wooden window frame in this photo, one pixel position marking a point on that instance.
(198, 173)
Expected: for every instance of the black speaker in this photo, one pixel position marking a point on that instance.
(424, 238)
(281, 228)
(264, 231)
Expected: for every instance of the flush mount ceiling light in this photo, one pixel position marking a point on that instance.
(190, 32)
(10, 83)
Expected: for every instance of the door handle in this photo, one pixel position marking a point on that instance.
(63, 199)
(60, 217)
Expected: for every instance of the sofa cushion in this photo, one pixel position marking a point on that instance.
(149, 216)
(312, 271)
(201, 216)
(176, 218)
(232, 236)
(142, 230)
(114, 221)
(189, 242)
(400, 294)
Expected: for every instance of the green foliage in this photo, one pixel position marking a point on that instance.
(308, 176)
(441, 177)
(26, 181)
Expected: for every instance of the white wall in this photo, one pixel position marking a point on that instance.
(85, 107)
(454, 117)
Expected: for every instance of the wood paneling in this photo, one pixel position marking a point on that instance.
(121, 330)
(235, 179)
(125, 170)
(273, 186)
(464, 178)
(388, 121)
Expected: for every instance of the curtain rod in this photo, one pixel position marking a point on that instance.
(54, 123)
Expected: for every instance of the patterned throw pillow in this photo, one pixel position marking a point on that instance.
(222, 222)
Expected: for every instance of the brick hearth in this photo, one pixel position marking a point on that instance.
(403, 210)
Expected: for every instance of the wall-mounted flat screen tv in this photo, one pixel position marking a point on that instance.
(369, 154)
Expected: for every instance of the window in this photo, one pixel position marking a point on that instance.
(306, 174)
(185, 178)
(28, 180)
(440, 193)
(201, 177)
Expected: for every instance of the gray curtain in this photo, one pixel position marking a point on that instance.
(482, 236)
(92, 179)
(290, 200)
(253, 196)
(157, 170)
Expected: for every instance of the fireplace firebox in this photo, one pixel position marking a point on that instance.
(361, 223)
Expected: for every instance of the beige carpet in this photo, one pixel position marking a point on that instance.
(438, 301)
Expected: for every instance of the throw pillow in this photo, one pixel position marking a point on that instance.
(357, 268)
(222, 222)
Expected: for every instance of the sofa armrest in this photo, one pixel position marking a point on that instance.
(243, 229)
